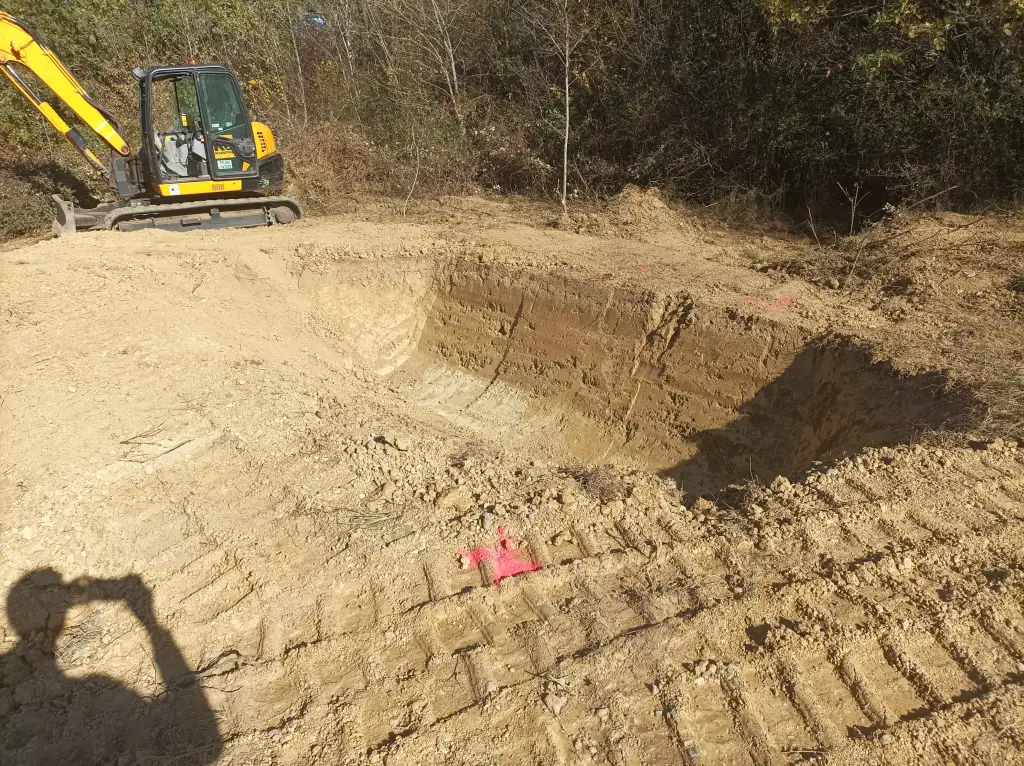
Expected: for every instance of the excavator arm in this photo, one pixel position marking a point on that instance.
(19, 46)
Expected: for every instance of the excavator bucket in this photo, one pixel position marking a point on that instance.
(64, 224)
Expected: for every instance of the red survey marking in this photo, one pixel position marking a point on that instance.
(506, 561)
(781, 303)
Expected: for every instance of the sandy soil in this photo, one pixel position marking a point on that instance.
(242, 474)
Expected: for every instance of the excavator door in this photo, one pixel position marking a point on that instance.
(197, 135)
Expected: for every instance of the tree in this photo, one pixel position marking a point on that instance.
(562, 24)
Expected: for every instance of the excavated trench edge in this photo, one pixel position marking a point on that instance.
(595, 373)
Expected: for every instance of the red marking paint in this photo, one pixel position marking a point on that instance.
(779, 304)
(506, 561)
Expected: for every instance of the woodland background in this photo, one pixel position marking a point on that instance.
(774, 108)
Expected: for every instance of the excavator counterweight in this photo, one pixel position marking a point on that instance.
(202, 163)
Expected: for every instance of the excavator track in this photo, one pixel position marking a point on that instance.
(179, 216)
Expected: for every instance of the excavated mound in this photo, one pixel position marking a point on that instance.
(633, 213)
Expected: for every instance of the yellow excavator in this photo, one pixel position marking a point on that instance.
(202, 164)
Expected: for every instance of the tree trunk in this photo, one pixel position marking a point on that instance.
(302, 82)
(565, 145)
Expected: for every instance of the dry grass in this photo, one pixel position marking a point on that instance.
(600, 482)
(747, 209)
(332, 166)
(330, 163)
(951, 291)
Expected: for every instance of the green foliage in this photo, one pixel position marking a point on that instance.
(784, 99)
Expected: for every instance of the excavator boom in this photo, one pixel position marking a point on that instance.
(18, 46)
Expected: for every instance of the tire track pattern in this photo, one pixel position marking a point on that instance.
(835, 617)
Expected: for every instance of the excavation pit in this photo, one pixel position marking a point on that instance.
(593, 373)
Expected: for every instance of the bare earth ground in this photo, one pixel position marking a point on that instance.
(771, 524)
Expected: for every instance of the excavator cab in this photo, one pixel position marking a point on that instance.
(196, 131)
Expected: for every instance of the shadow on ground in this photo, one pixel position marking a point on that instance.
(831, 402)
(48, 718)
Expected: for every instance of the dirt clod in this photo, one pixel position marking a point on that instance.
(555, 703)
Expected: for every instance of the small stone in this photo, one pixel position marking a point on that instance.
(72, 389)
(487, 521)
(490, 688)
(555, 703)
(832, 283)
(603, 713)
(402, 443)
(304, 526)
(388, 490)
(457, 498)
(702, 506)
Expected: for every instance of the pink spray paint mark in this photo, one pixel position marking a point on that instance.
(506, 561)
(781, 303)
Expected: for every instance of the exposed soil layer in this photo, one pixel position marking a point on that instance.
(708, 398)
(600, 372)
(292, 439)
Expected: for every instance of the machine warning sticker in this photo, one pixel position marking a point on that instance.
(174, 190)
(224, 164)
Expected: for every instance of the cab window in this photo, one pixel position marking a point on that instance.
(175, 104)
(178, 129)
(223, 103)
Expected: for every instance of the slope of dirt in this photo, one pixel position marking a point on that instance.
(634, 213)
(948, 288)
(295, 438)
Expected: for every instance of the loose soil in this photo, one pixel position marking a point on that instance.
(772, 521)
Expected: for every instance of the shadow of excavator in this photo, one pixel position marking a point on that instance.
(47, 717)
(831, 402)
